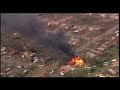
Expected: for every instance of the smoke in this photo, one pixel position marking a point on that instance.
(29, 25)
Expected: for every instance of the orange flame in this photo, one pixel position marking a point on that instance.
(77, 61)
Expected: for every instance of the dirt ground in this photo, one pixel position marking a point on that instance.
(76, 26)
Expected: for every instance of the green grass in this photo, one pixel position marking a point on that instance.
(78, 72)
(113, 52)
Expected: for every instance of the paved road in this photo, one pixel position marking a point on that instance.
(109, 31)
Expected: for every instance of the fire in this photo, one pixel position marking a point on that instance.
(77, 61)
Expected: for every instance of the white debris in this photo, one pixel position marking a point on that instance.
(101, 75)
(41, 65)
(3, 49)
(7, 69)
(94, 65)
(35, 59)
(91, 14)
(18, 66)
(74, 43)
(52, 71)
(76, 31)
(61, 73)
(25, 71)
(1, 73)
(105, 63)
(3, 52)
(117, 34)
(9, 56)
(114, 60)
(116, 31)
(16, 34)
(86, 67)
(103, 15)
(23, 56)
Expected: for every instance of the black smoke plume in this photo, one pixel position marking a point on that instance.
(29, 25)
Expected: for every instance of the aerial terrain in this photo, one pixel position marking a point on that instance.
(59, 45)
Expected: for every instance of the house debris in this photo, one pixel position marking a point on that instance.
(25, 71)
(100, 49)
(114, 16)
(46, 74)
(94, 28)
(91, 54)
(72, 27)
(35, 59)
(41, 65)
(116, 69)
(18, 66)
(91, 14)
(81, 28)
(115, 39)
(28, 54)
(53, 23)
(105, 63)
(117, 33)
(96, 51)
(86, 67)
(112, 71)
(9, 56)
(73, 41)
(100, 75)
(65, 69)
(114, 60)
(16, 36)
(76, 31)
(104, 46)
(103, 15)
(115, 63)
(7, 69)
(11, 51)
(52, 71)
(3, 50)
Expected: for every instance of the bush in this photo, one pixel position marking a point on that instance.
(92, 69)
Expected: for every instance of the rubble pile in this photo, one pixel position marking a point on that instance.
(3, 50)
(28, 54)
(16, 36)
(73, 41)
(65, 69)
(115, 39)
(94, 28)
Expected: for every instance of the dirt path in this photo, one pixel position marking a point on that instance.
(109, 31)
